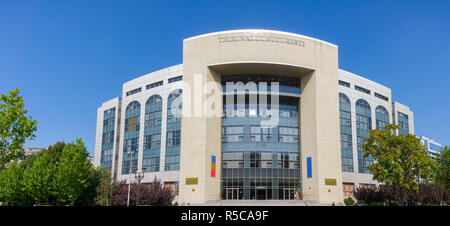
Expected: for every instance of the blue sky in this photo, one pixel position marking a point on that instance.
(67, 57)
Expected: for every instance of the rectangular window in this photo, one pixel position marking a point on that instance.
(403, 124)
(381, 97)
(153, 85)
(134, 91)
(349, 189)
(175, 79)
(342, 83)
(435, 147)
(287, 134)
(361, 89)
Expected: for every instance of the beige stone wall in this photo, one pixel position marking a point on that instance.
(279, 51)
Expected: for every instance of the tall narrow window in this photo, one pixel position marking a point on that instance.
(131, 137)
(109, 117)
(346, 133)
(173, 134)
(152, 134)
(382, 117)
(403, 124)
(363, 125)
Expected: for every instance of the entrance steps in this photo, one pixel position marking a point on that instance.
(260, 203)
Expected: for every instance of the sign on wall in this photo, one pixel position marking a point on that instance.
(191, 180)
(330, 182)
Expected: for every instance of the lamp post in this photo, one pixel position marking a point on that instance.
(139, 175)
(130, 155)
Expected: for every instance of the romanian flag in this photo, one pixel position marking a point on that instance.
(213, 166)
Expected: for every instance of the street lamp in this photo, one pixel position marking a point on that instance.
(130, 155)
(139, 175)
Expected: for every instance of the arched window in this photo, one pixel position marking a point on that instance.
(382, 117)
(346, 133)
(363, 125)
(131, 137)
(152, 134)
(173, 131)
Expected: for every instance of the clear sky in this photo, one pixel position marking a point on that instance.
(67, 57)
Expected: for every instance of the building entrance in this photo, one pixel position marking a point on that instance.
(260, 194)
(288, 194)
(234, 193)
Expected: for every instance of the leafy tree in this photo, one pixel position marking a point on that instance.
(105, 187)
(91, 192)
(11, 186)
(60, 175)
(398, 160)
(55, 151)
(15, 127)
(75, 177)
(443, 172)
(39, 180)
(29, 161)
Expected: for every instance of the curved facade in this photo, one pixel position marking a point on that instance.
(250, 114)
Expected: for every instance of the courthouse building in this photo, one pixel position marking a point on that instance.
(186, 126)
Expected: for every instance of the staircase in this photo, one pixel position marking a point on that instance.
(260, 203)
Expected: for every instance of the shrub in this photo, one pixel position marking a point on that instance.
(349, 201)
(154, 194)
(428, 194)
(369, 194)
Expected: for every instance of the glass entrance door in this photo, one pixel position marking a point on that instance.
(233, 194)
(260, 194)
(289, 194)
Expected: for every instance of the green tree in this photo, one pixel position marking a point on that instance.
(55, 151)
(60, 175)
(75, 177)
(15, 127)
(11, 186)
(39, 180)
(400, 161)
(29, 161)
(444, 168)
(105, 187)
